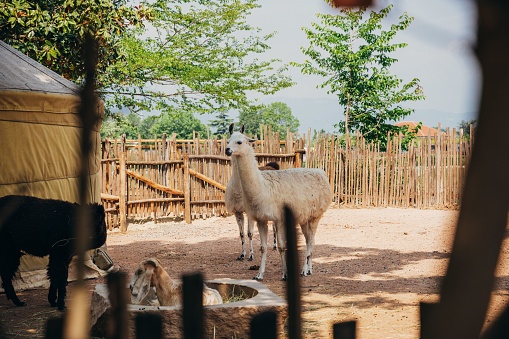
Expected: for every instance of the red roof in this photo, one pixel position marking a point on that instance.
(423, 132)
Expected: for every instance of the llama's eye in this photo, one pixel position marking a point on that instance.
(239, 142)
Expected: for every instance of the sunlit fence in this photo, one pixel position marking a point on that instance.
(429, 173)
(170, 178)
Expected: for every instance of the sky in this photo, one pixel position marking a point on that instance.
(439, 52)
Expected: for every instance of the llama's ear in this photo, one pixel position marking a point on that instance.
(231, 128)
(242, 128)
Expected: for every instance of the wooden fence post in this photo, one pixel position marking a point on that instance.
(297, 162)
(192, 308)
(263, 326)
(118, 297)
(344, 330)
(149, 325)
(122, 203)
(187, 190)
(293, 293)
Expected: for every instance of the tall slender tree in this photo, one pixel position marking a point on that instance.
(352, 52)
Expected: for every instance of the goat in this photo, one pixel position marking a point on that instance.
(150, 274)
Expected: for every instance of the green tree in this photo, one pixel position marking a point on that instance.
(202, 58)
(465, 125)
(352, 52)
(198, 55)
(277, 115)
(52, 31)
(146, 126)
(180, 122)
(221, 124)
(118, 124)
(110, 128)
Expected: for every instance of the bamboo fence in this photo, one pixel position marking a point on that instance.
(156, 179)
(429, 174)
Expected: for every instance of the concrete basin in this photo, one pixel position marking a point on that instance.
(243, 300)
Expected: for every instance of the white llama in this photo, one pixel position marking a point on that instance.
(235, 205)
(305, 191)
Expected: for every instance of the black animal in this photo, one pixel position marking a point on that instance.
(43, 227)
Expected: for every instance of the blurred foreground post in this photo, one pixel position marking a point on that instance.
(149, 325)
(192, 310)
(482, 221)
(264, 326)
(345, 330)
(119, 298)
(293, 280)
(77, 321)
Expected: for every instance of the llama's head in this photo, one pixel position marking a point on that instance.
(143, 280)
(238, 143)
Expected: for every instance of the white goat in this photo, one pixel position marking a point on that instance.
(305, 191)
(235, 205)
(150, 274)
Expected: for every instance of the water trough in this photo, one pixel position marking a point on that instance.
(228, 320)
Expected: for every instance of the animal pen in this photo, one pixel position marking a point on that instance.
(466, 288)
(165, 178)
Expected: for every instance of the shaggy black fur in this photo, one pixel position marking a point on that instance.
(43, 227)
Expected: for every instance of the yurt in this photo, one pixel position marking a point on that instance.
(40, 143)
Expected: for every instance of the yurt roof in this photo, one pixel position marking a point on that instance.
(19, 72)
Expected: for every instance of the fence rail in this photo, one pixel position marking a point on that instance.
(170, 178)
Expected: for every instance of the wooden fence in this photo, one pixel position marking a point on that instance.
(171, 178)
(428, 174)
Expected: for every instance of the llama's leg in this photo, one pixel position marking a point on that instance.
(281, 247)
(58, 270)
(262, 230)
(9, 263)
(239, 217)
(250, 230)
(309, 231)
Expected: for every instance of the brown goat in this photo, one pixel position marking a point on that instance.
(150, 274)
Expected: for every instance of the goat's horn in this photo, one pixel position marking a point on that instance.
(231, 128)
(242, 128)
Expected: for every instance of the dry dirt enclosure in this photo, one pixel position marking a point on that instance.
(370, 265)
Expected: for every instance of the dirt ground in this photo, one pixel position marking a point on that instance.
(370, 265)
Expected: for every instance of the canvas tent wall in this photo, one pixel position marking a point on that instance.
(40, 141)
